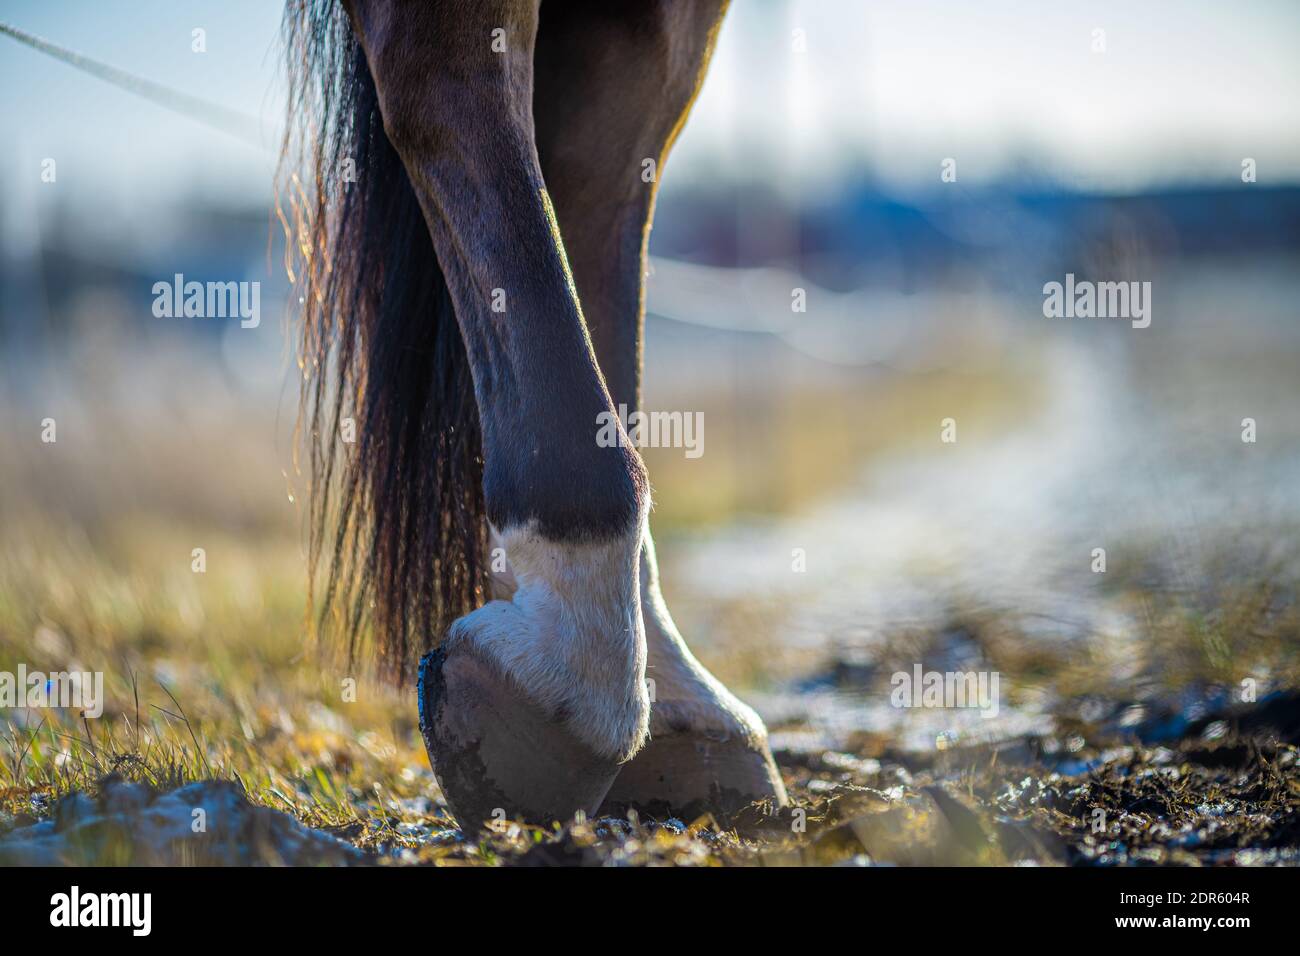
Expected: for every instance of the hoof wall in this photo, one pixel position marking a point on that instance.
(687, 775)
(495, 753)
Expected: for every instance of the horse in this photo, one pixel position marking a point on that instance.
(469, 221)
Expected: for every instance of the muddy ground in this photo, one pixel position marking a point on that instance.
(1222, 789)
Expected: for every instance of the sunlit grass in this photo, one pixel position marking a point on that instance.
(206, 675)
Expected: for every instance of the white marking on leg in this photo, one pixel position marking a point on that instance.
(571, 635)
(687, 696)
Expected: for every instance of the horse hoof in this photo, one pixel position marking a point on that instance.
(688, 774)
(496, 754)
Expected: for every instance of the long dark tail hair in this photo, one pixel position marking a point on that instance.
(396, 523)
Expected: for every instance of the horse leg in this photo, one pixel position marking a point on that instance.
(614, 82)
(530, 705)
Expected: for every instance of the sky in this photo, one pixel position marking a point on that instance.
(1184, 89)
(887, 89)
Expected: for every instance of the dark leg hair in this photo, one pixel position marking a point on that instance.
(615, 80)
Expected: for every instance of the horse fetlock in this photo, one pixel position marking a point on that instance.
(570, 636)
(532, 705)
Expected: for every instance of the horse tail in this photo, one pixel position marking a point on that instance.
(397, 530)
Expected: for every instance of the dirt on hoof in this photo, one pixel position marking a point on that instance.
(207, 823)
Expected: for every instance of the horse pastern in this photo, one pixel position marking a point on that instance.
(570, 636)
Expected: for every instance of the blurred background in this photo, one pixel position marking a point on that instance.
(827, 535)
